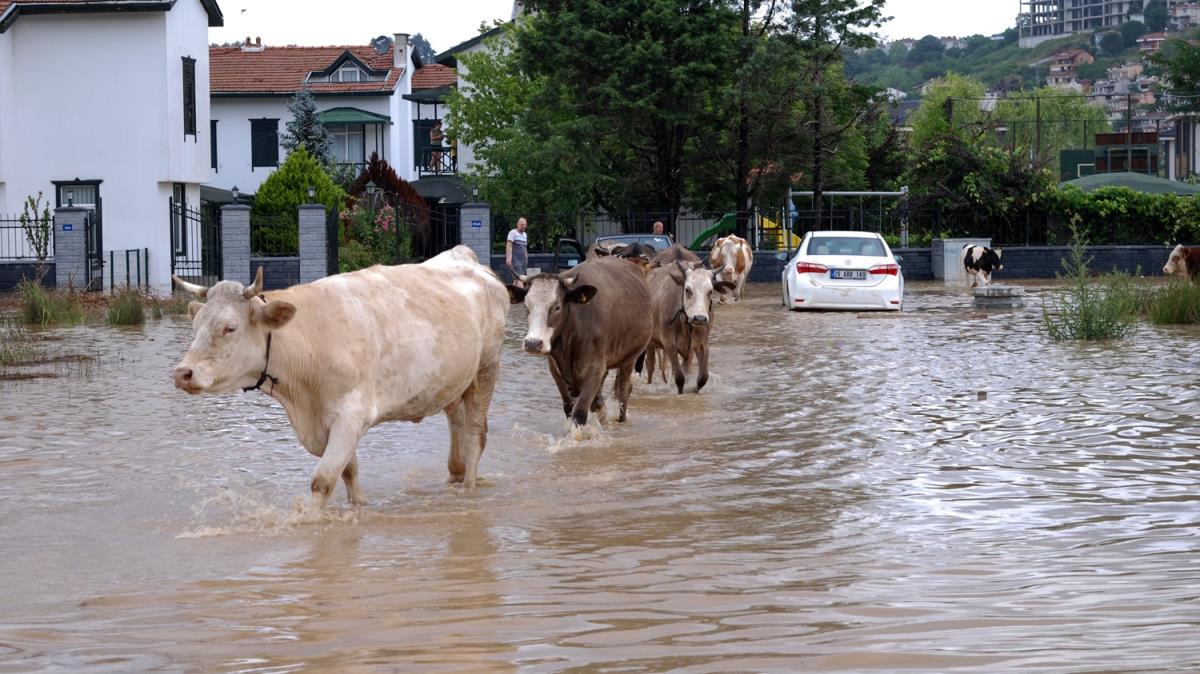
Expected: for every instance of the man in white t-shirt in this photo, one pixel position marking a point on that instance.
(516, 251)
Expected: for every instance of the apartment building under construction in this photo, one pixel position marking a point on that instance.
(1042, 20)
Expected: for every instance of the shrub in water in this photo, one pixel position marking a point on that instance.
(126, 308)
(1176, 303)
(1089, 308)
(40, 306)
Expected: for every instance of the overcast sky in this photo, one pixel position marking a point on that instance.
(445, 24)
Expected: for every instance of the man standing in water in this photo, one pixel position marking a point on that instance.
(516, 252)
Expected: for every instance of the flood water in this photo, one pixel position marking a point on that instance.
(840, 498)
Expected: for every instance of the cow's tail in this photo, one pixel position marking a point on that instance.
(640, 364)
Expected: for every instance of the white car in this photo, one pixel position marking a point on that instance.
(843, 270)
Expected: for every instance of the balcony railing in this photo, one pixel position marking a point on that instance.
(436, 160)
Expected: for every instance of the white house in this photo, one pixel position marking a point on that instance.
(359, 92)
(106, 102)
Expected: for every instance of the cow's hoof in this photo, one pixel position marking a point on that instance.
(455, 479)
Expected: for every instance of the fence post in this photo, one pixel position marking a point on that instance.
(475, 230)
(314, 236)
(235, 243)
(70, 247)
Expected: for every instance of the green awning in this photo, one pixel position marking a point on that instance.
(351, 116)
(1139, 182)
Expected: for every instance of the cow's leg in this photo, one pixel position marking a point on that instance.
(568, 400)
(476, 401)
(589, 388)
(350, 477)
(701, 349)
(622, 387)
(680, 376)
(597, 406)
(339, 452)
(741, 284)
(456, 416)
(651, 362)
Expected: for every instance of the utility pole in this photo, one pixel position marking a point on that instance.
(1128, 133)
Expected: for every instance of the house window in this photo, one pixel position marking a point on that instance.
(264, 142)
(212, 141)
(348, 143)
(348, 74)
(189, 96)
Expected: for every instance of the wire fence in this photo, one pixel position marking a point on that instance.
(274, 236)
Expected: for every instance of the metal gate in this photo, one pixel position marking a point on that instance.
(93, 250)
(333, 232)
(195, 243)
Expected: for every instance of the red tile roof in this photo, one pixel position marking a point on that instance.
(434, 76)
(282, 70)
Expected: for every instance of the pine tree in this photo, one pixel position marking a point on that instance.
(306, 130)
(424, 49)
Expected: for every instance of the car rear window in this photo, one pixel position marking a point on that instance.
(845, 245)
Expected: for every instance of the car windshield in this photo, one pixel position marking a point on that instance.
(653, 240)
(852, 246)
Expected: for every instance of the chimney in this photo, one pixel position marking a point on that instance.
(258, 42)
(401, 47)
(255, 46)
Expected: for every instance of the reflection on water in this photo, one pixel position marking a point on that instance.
(840, 498)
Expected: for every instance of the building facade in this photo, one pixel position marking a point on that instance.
(108, 109)
(1042, 20)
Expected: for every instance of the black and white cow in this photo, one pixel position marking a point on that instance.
(979, 262)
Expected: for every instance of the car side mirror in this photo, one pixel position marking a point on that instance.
(899, 259)
(782, 257)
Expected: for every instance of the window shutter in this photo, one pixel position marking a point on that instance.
(264, 142)
(189, 96)
(212, 142)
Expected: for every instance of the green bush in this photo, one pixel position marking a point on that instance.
(40, 306)
(373, 236)
(1173, 304)
(126, 308)
(1120, 215)
(1091, 309)
(281, 194)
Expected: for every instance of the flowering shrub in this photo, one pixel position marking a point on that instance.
(372, 236)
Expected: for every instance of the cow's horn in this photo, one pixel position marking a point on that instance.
(256, 287)
(197, 290)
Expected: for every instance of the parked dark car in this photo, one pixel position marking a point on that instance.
(570, 252)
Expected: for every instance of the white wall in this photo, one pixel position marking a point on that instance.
(233, 117)
(99, 97)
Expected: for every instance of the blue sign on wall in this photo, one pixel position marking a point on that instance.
(477, 223)
(67, 227)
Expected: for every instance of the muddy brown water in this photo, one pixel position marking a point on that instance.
(839, 499)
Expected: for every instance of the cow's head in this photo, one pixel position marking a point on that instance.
(996, 263)
(549, 299)
(1176, 263)
(230, 331)
(697, 285)
(725, 254)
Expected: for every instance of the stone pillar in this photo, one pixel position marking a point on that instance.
(475, 230)
(313, 239)
(70, 247)
(235, 243)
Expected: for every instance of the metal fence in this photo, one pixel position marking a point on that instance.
(16, 244)
(274, 236)
(127, 268)
(195, 243)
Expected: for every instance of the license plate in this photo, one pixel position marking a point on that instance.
(847, 274)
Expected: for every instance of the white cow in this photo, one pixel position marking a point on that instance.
(732, 258)
(350, 351)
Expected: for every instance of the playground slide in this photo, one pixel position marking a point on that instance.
(772, 229)
(723, 226)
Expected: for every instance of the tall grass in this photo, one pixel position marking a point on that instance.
(16, 346)
(126, 307)
(1091, 309)
(1173, 304)
(40, 306)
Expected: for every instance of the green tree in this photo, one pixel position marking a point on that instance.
(305, 128)
(823, 28)
(950, 105)
(284, 191)
(1180, 61)
(1066, 121)
(638, 78)
(928, 49)
(1157, 16)
(424, 50)
(1111, 43)
(523, 164)
(1131, 31)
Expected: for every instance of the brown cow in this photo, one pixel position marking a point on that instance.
(732, 258)
(681, 296)
(588, 321)
(1184, 262)
(637, 253)
(675, 253)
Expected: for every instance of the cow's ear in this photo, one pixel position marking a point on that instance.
(194, 308)
(276, 314)
(516, 294)
(723, 287)
(581, 295)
